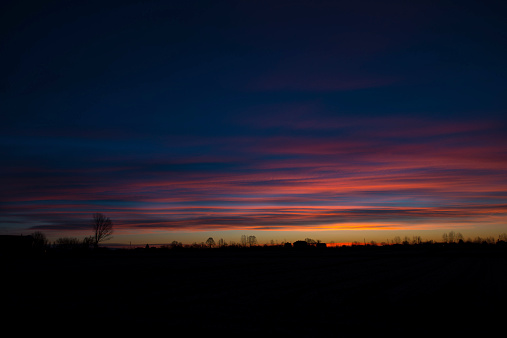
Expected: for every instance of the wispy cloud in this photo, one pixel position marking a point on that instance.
(424, 174)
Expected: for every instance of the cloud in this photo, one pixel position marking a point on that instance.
(426, 174)
(289, 218)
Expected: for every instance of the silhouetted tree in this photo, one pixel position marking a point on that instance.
(416, 240)
(210, 242)
(176, 244)
(88, 242)
(445, 237)
(40, 242)
(252, 240)
(490, 240)
(459, 237)
(452, 237)
(102, 228)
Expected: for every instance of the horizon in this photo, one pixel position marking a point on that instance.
(264, 240)
(338, 122)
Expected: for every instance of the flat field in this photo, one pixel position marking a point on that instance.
(260, 291)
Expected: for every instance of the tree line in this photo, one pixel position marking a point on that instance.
(245, 241)
(101, 228)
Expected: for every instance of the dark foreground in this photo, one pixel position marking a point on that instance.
(252, 292)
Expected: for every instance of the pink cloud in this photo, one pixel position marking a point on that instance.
(306, 181)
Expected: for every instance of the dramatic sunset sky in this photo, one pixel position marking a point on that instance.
(180, 120)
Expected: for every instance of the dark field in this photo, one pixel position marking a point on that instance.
(260, 291)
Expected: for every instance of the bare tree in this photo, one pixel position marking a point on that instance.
(459, 237)
(88, 242)
(445, 238)
(244, 240)
(176, 244)
(210, 242)
(416, 240)
(252, 240)
(40, 241)
(102, 228)
(451, 236)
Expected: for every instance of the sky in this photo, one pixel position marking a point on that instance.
(182, 120)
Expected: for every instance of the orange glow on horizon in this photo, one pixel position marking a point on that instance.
(335, 245)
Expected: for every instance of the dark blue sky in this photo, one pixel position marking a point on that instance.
(160, 113)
